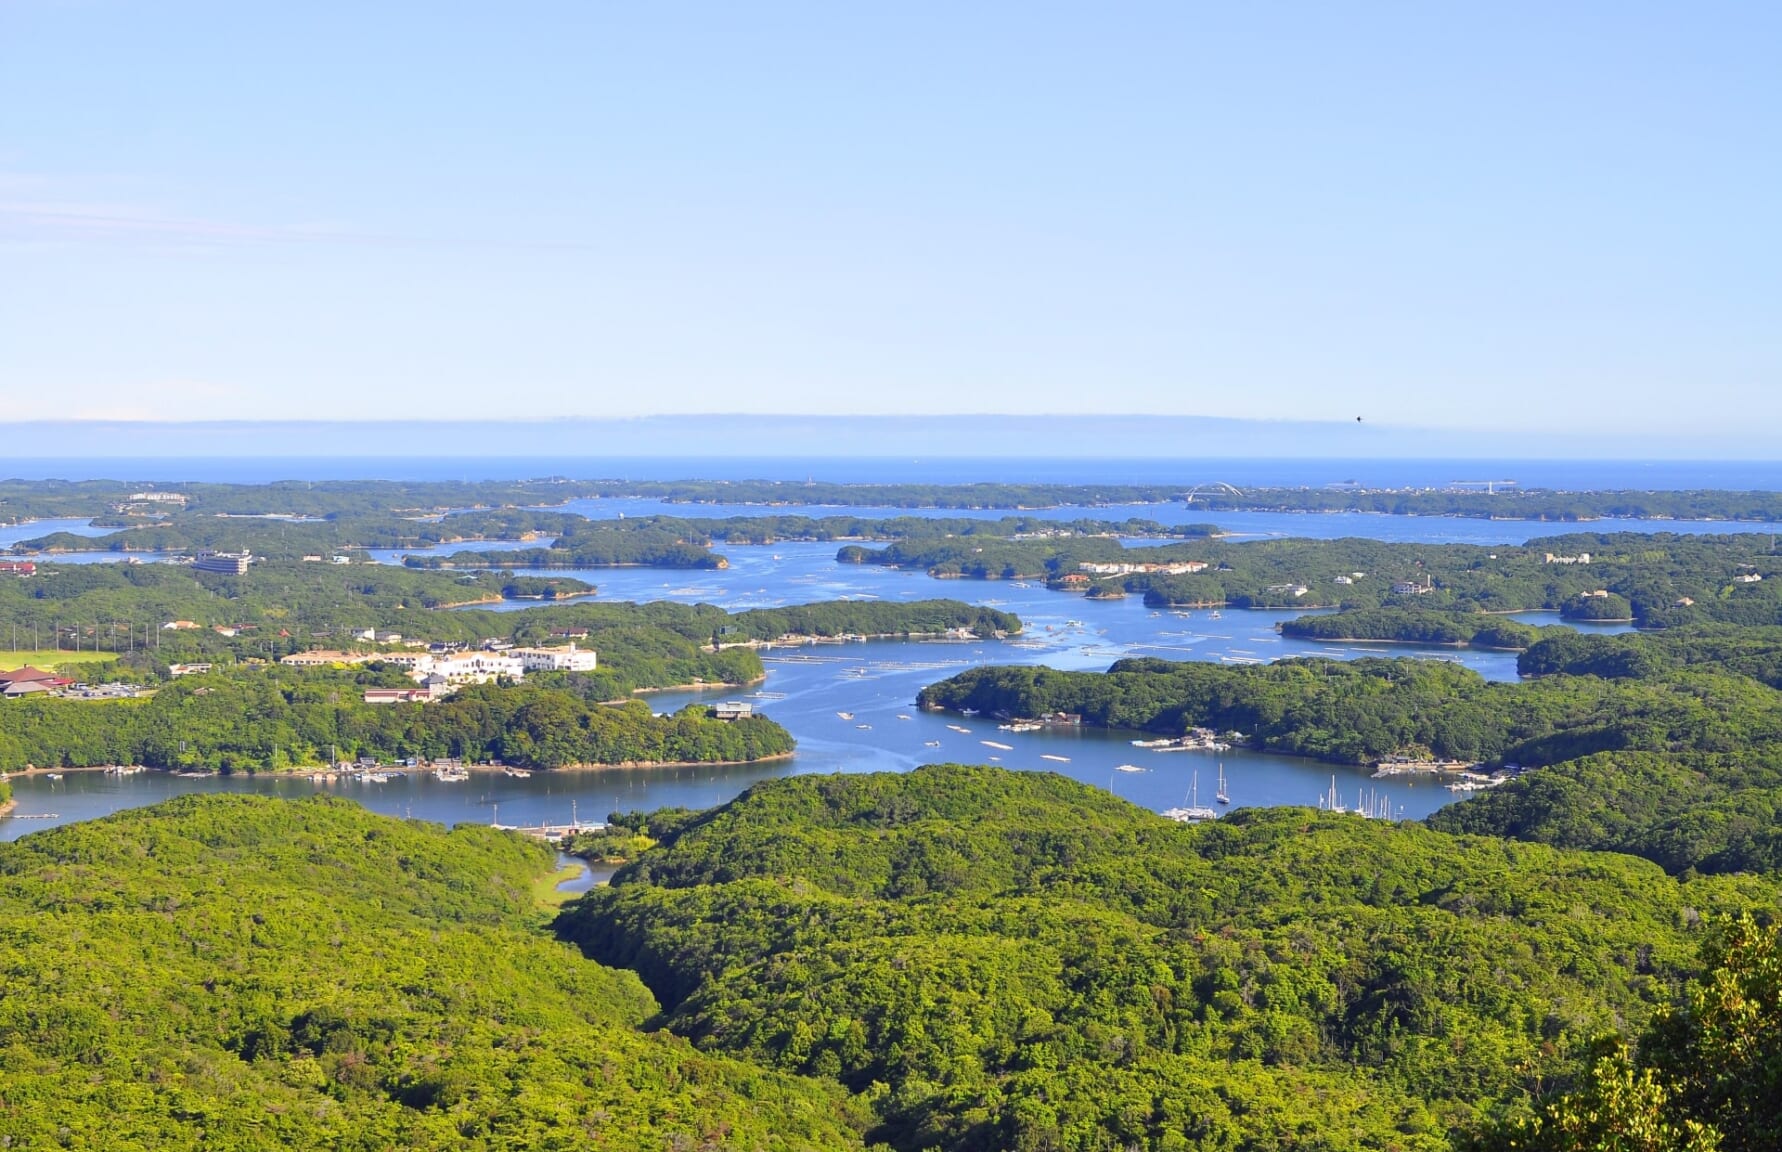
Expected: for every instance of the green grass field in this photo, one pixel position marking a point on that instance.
(49, 658)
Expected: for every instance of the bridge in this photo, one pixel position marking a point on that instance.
(1220, 485)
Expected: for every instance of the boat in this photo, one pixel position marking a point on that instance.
(53, 775)
(520, 773)
(1329, 801)
(845, 715)
(1222, 796)
(1164, 743)
(968, 711)
(901, 716)
(961, 731)
(451, 775)
(373, 778)
(994, 744)
(931, 743)
(1060, 759)
(864, 727)
(1128, 768)
(1192, 812)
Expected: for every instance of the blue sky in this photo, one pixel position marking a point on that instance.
(1501, 217)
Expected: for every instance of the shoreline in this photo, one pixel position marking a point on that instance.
(1415, 643)
(307, 771)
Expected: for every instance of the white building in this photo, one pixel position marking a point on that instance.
(477, 667)
(570, 659)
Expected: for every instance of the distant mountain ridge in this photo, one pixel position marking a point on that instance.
(984, 435)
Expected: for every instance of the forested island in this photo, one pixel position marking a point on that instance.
(272, 719)
(1655, 579)
(277, 609)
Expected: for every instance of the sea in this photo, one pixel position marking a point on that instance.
(851, 706)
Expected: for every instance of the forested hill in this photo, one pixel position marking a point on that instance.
(1003, 960)
(233, 972)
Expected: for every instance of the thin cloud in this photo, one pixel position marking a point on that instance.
(73, 222)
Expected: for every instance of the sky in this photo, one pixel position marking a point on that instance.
(1503, 217)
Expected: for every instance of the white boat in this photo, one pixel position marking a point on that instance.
(864, 727)
(520, 773)
(52, 775)
(961, 731)
(1193, 813)
(999, 747)
(931, 743)
(451, 775)
(1222, 796)
(1059, 759)
(901, 716)
(1128, 768)
(845, 715)
(968, 711)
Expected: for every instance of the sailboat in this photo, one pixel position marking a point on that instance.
(1193, 813)
(1222, 796)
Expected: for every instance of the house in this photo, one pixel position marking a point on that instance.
(428, 691)
(1747, 578)
(158, 498)
(342, 559)
(1074, 580)
(1683, 602)
(569, 633)
(312, 558)
(224, 630)
(17, 568)
(1580, 558)
(364, 633)
(228, 563)
(1598, 594)
(179, 626)
(26, 680)
(388, 637)
(1178, 568)
(187, 669)
(570, 659)
(1342, 580)
(1412, 587)
(732, 710)
(323, 657)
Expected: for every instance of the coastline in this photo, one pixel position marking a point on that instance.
(304, 772)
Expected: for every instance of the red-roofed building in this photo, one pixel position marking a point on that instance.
(28, 679)
(18, 567)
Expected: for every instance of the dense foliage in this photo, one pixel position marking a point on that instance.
(1707, 1074)
(999, 960)
(1412, 626)
(1659, 579)
(266, 719)
(1358, 711)
(231, 972)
